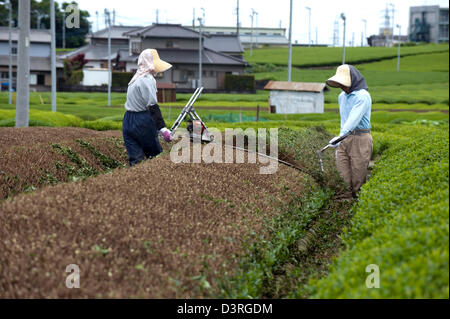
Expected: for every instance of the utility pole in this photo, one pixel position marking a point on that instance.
(393, 13)
(64, 28)
(257, 31)
(108, 19)
(398, 51)
(336, 33)
(317, 35)
(251, 37)
(23, 66)
(309, 26)
(290, 44)
(237, 19)
(114, 17)
(343, 50)
(96, 13)
(10, 54)
(157, 16)
(53, 53)
(193, 18)
(353, 39)
(200, 50)
(38, 19)
(365, 31)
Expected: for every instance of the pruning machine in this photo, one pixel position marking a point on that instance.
(196, 127)
(320, 153)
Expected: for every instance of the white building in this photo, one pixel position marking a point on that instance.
(296, 97)
(258, 36)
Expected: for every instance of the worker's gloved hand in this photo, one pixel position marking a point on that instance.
(165, 133)
(332, 141)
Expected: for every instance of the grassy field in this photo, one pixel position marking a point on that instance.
(422, 84)
(322, 56)
(423, 80)
(435, 62)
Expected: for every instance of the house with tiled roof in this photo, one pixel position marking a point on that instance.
(40, 75)
(179, 46)
(176, 44)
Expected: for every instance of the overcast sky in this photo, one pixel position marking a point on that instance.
(270, 14)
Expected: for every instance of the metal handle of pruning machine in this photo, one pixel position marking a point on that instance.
(337, 141)
(186, 110)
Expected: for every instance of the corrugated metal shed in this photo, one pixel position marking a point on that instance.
(295, 86)
(295, 97)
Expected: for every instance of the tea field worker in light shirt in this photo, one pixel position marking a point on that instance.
(353, 154)
(143, 119)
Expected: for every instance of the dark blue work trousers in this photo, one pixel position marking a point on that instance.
(140, 136)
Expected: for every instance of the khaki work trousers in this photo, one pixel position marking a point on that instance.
(353, 157)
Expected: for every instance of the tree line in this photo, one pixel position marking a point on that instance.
(40, 12)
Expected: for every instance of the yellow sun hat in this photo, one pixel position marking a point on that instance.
(149, 62)
(342, 77)
(160, 65)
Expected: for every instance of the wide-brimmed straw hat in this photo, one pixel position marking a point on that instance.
(149, 62)
(342, 77)
(160, 65)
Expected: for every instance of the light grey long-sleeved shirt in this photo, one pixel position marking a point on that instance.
(355, 109)
(141, 94)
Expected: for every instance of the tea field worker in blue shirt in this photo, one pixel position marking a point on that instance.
(143, 119)
(353, 154)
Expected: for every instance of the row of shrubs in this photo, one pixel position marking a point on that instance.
(400, 224)
(43, 118)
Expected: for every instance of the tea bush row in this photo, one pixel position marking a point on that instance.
(400, 224)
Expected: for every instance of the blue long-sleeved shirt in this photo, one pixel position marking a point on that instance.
(355, 109)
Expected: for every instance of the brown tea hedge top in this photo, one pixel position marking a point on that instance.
(34, 157)
(13, 137)
(158, 230)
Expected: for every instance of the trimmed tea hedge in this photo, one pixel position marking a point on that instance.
(401, 224)
(41, 118)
